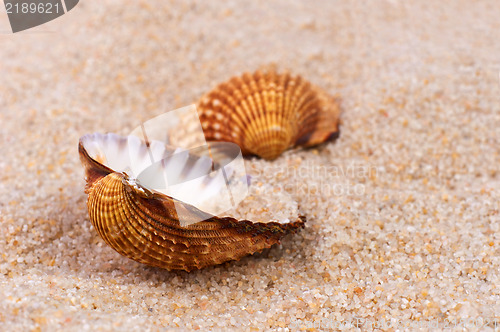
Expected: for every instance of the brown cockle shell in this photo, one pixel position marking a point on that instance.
(266, 113)
(143, 224)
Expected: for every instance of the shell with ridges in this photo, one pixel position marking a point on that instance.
(144, 225)
(266, 113)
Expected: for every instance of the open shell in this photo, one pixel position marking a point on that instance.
(143, 224)
(266, 113)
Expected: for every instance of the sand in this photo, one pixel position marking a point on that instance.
(403, 209)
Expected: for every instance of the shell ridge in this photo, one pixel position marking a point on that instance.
(153, 251)
(263, 235)
(271, 112)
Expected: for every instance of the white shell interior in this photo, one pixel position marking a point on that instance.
(174, 172)
(190, 178)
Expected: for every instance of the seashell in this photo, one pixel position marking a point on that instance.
(144, 224)
(266, 113)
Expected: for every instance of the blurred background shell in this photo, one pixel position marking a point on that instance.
(266, 113)
(144, 224)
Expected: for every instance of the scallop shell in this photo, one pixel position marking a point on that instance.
(266, 113)
(143, 224)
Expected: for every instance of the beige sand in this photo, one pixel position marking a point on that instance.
(403, 209)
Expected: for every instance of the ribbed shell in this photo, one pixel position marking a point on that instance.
(143, 225)
(266, 113)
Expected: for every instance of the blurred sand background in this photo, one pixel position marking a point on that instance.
(418, 240)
